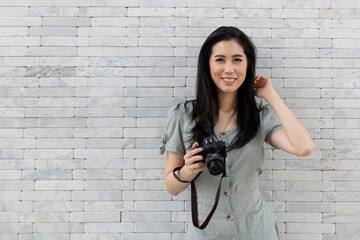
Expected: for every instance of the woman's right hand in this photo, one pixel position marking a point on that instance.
(193, 163)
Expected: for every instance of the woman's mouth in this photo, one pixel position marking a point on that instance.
(228, 80)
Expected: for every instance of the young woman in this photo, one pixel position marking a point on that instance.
(225, 108)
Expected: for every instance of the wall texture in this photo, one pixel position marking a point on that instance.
(85, 86)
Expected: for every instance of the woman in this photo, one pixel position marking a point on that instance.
(225, 108)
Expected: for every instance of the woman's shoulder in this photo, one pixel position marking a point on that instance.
(264, 109)
(183, 109)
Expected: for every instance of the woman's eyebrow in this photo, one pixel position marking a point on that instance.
(236, 55)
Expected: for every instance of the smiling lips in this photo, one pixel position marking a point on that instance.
(228, 80)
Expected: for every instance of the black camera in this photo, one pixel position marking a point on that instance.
(214, 154)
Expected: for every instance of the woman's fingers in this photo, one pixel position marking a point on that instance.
(197, 166)
(195, 144)
(191, 159)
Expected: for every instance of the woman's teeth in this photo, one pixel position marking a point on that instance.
(229, 79)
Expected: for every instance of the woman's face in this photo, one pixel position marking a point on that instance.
(228, 66)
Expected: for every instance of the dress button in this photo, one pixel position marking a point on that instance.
(223, 135)
(227, 192)
(230, 217)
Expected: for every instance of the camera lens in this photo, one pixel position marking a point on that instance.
(215, 164)
(216, 168)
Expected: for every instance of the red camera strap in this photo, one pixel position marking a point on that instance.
(194, 203)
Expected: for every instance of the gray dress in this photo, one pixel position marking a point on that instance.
(242, 212)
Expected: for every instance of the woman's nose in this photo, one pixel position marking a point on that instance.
(229, 68)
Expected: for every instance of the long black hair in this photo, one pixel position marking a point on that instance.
(206, 107)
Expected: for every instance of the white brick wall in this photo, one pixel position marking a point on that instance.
(85, 88)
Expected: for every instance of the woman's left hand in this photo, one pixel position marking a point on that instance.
(262, 86)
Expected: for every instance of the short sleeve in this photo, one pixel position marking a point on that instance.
(270, 123)
(173, 140)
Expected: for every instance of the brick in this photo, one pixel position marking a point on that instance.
(98, 153)
(139, 236)
(195, 12)
(95, 196)
(340, 13)
(58, 227)
(115, 21)
(299, 217)
(101, 51)
(59, 184)
(15, 228)
(259, 4)
(310, 186)
(113, 42)
(307, 4)
(49, 112)
(301, 236)
(77, 3)
(313, 207)
(97, 174)
(60, 164)
(346, 164)
(146, 217)
(44, 217)
(345, 4)
(294, 12)
(108, 227)
(14, 183)
(307, 43)
(158, 227)
(53, 11)
(93, 185)
(102, 11)
(102, 31)
(347, 228)
(150, 12)
(109, 3)
(309, 164)
(340, 218)
(310, 228)
(258, 23)
(45, 236)
(64, 41)
(14, 51)
(95, 217)
(109, 206)
(44, 206)
(10, 196)
(20, 21)
(295, 53)
(63, 102)
(145, 195)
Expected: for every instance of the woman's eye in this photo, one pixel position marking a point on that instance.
(219, 60)
(238, 60)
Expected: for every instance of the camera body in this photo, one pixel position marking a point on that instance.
(214, 154)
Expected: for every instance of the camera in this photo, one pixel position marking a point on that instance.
(214, 154)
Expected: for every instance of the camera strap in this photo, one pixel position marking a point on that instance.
(194, 205)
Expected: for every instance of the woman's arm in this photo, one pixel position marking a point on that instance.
(293, 137)
(190, 168)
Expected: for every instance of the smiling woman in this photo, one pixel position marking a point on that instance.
(225, 110)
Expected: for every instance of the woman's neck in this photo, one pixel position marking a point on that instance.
(227, 102)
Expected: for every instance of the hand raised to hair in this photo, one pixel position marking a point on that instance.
(262, 86)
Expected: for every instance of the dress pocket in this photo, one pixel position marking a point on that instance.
(262, 225)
